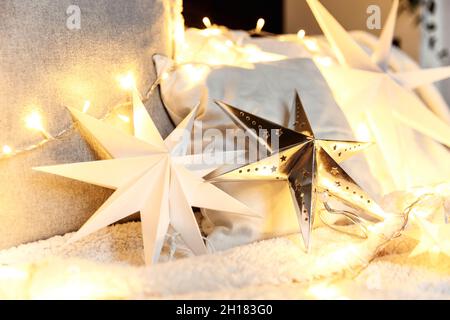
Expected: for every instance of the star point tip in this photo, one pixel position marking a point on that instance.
(382, 52)
(46, 169)
(347, 50)
(225, 107)
(220, 103)
(195, 110)
(77, 114)
(73, 110)
(72, 239)
(306, 244)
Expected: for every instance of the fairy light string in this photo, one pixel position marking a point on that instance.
(34, 122)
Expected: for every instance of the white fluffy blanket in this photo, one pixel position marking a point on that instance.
(108, 264)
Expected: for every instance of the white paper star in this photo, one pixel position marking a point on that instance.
(380, 103)
(150, 176)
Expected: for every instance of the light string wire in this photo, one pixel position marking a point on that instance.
(173, 241)
(60, 135)
(352, 217)
(405, 215)
(363, 224)
(9, 152)
(359, 222)
(352, 272)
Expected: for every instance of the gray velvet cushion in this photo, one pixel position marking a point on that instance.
(46, 66)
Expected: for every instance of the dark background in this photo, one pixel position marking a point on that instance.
(235, 14)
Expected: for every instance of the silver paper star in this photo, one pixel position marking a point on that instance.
(309, 165)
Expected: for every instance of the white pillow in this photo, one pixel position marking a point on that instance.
(266, 90)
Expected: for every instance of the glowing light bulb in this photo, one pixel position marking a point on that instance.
(435, 249)
(124, 118)
(324, 61)
(323, 291)
(197, 73)
(207, 22)
(179, 35)
(372, 228)
(260, 25)
(87, 105)
(301, 34)
(165, 76)
(311, 45)
(9, 273)
(7, 150)
(34, 121)
(362, 132)
(127, 81)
